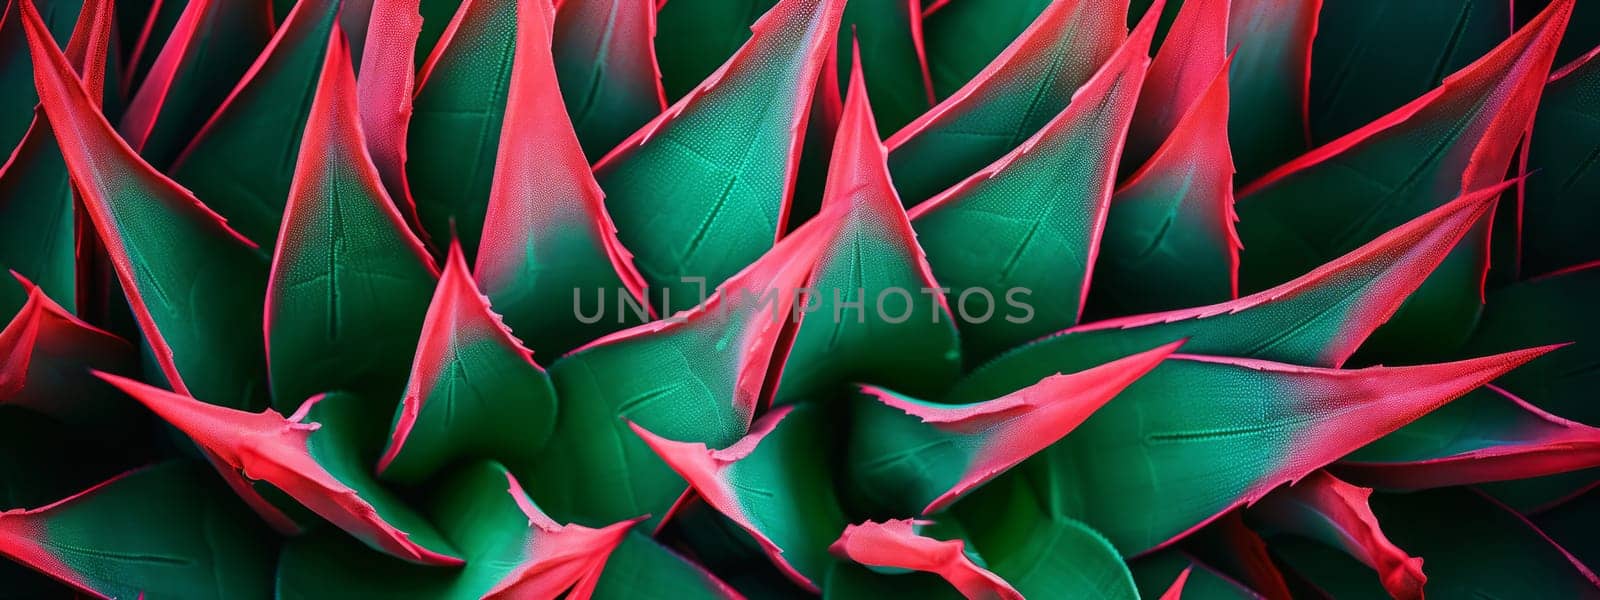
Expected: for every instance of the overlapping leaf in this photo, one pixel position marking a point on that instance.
(1269, 80)
(1182, 74)
(897, 544)
(889, 34)
(47, 354)
(606, 61)
(1323, 508)
(965, 35)
(1561, 198)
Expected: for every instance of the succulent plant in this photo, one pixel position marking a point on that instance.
(774, 298)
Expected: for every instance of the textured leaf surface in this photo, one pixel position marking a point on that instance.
(606, 61)
(350, 283)
(1323, 508)
(262, 119)
(474, 390)
(1040, 554)
(458, 115)
(1371, 57)
(1458, 138)
(313, 456)
(1201, 435)
(709, 368)
(1010, 101)
(703, 189)
(1028, 227)
(1561, 200)
(873, 283)
(189, 538)
(909, 456)
(48, 354)
(897, 544)
(384, 94)
(194, 284)
(1269, 80)
(1318, 319)
(213, 44)
(1169, 239)
(1487, 435)
(1182, 74)
(548, 245)
(772, 483)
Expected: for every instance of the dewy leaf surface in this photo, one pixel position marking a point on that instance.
(242, 162)
(1317, 319)
(457, 118)
(1487, 435)
(704, 189)
(773, 483)
(194, 284)
(474, 391)
(1561, 199)
(548, 248)
(872, 285)
(908, 456)
(166, 531)
(1011, 100)
(1199, 436)
(312, 457)
(1169, 239)
(1323, 508)
(896, 544)
(605, 58)
(1269, 80)
(1458, 138)
(350, 284)
(1025, 230)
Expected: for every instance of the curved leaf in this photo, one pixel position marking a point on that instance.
(186, 538)
(896, 544)
(458, 115)
(1169, 238)
(350, 284)
(1158, 575)
(1487, 435)
(47, 356)
(1458, 138)
(778, 490)
(1010, 101)
(1561, 198)
(1323, 508)
(1269, 80)
(1029, 225)
(872, 268)
(965, 35)
(313, 457)
(911, 456)
(474, 390)
(1199, 436)
(1041, 555)
(1548, 310)
(727, 189)
(888, 34)
(641, 569)
(243, 160)
(1331, 311)
(17, 106)
(606, 61)
(1180, 77)
(548, 243)
(384, 94)
(696, 36)
(1572, 524)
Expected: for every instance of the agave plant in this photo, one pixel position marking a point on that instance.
(774, 298)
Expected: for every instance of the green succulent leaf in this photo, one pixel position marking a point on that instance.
(194, 284)
(47, 353)
(1269, 80)
(350, 283)
(1563, 382)
(1159, 574)
(1199, 436)
(1571, 524)
(889, 33)
(1011, 100)
(213, 44)
(16, 72)
(864, 285)
(1487, 435)
(641, 569)
(1183, 74)
(606, 60)
(1561, 197)
(772, 483)
(37, 220)
(458, 115)
(474, 390)
(548, 245)
(908, 456)
(314, 457)
(1331, 310)
(1323, 508)
(696, 198)
(384, 82)
(1372, 56)
(695, 37)
(848, 581)
(1458, 138)
(896, 544)
(1040, 554)
(964, 36)
(262, 119)
(188, 538)
(1030, 224)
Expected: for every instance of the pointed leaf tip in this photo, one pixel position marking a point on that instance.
(1324, 508)
(897, 544)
